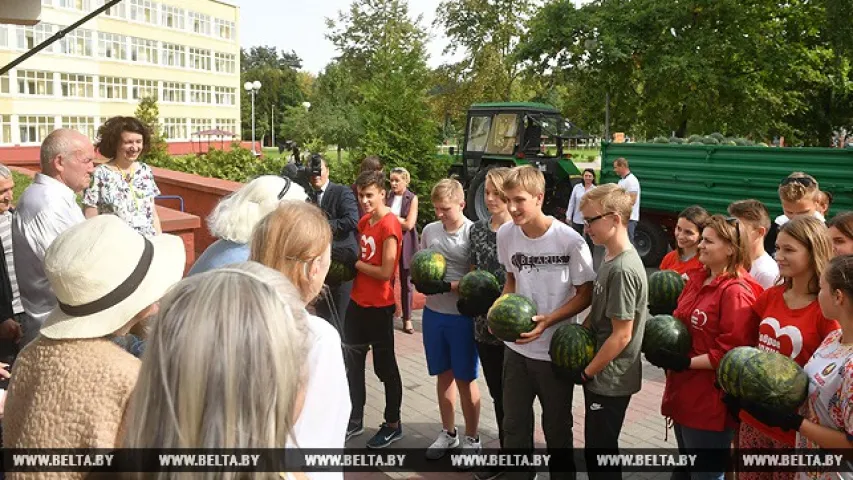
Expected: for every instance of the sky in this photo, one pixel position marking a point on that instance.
(300, 25)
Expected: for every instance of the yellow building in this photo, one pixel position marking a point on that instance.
(184, 52)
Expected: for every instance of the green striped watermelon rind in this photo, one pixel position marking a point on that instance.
(339, 273)
(427, 267)
(479, 286)
(664, 288)
(572, 346)
(510, 316)
(767, 378)
(665, 332)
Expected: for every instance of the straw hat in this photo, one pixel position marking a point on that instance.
(103, 273)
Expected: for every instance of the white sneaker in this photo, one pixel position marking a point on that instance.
(471, 446)
(441, 445)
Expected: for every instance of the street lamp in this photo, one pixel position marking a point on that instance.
(252, 88)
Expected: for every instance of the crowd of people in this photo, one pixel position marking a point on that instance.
(110, 347)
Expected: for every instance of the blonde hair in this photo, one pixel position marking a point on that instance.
(403, 173)
(751, 211)
(224, 366)
(612, 199)
(621, 162)
(448, 189)
(236, 215)
(731, 231)
(526, 177)
(812, 234)
(496, 178)
(798, 186)
(289, 239)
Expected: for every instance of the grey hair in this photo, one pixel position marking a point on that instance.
(224, 366)
(5, 172)
(235, 216)
(62, 141)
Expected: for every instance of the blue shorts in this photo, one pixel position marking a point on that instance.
(449, 345)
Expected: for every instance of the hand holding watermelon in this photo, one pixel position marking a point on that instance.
(540, 323)
(511, 316)
(668, 360)
(785, 420)
(478, 291)
(434, 288)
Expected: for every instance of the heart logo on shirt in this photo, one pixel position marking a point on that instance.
(699, 318)
(771, 335)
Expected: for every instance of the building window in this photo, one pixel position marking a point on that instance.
(4, 83)
(143, 89)
(143, 11)
(34, 128)
(174, 55)
(173, 17)
(82, 5)
(4, 36)
(200, 124)
(113, 88)
(224, 96)
(199, 23)
(31, 82)
(77, 42)
(175, 128)
(116, 11)
(5, 129)
(47, 2)
(223, 28)
(199, 59)
(224, 62)
(199, 93)
(84, 125)
(29, 37)
(111, 45)
(227, 124)
(174, 92)
(74, 85)
(142, 50)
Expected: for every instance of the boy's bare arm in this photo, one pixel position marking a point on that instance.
(385, 271)
(509, 286)
(578, 303)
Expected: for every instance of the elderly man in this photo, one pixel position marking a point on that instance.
(10, 300)
(47, 208)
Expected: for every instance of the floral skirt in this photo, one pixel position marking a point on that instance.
(749, 437)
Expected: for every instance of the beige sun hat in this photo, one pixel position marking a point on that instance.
(103, 273)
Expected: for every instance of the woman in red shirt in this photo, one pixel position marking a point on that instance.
(791, 320)
(688, 233)
(716, 306)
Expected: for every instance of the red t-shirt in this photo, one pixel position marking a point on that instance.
(795, 333)
(672, 261)
(366, 290)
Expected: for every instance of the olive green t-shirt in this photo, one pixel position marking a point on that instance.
(620, 293)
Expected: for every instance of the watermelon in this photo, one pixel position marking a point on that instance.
(339, 273)
(767, 378)
(510, 316)
(479, 286)
(572, 346)
(664, 288)
(665, 332)
(428, 267)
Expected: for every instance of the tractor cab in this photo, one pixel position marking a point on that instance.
(510, 134)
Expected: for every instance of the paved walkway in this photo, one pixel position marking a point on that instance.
(644, 426)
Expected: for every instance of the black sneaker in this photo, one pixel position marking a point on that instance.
(385, 436)
(354, 429)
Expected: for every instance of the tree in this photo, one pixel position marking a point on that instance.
(334, 109)
(383, 50)
(282, 86)
(148, 113)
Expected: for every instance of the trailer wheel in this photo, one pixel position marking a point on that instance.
(475, 197)
(651, 243)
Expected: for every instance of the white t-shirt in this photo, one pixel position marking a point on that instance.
(323, 420)
(397, 205)
(765, 270)
(632, 185)
(783, 219)
(573, 211)
(454, 246)
(546, 270)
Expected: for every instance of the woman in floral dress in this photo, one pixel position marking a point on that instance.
(124, 186)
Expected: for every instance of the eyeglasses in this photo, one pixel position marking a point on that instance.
(733, 221)
(589, 221)
(804, 181)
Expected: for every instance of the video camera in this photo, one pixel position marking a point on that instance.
(299, 172)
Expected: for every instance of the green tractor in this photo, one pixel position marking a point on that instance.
(510, 134)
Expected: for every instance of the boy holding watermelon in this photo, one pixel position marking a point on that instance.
(550, 263)
(617, 319)
(451, 352)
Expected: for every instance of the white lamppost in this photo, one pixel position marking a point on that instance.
(252, 88)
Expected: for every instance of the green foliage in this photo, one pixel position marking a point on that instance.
(21, 183)
(282, 86)
(148, 113)
(237, 164)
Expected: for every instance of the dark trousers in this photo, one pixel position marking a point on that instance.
(530, 379)
(632, 227)
(406, 291)
(602, 426)
(366, 328)
(492, 359)
(337, 297)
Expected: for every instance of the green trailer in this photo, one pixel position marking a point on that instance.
(674, 176)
